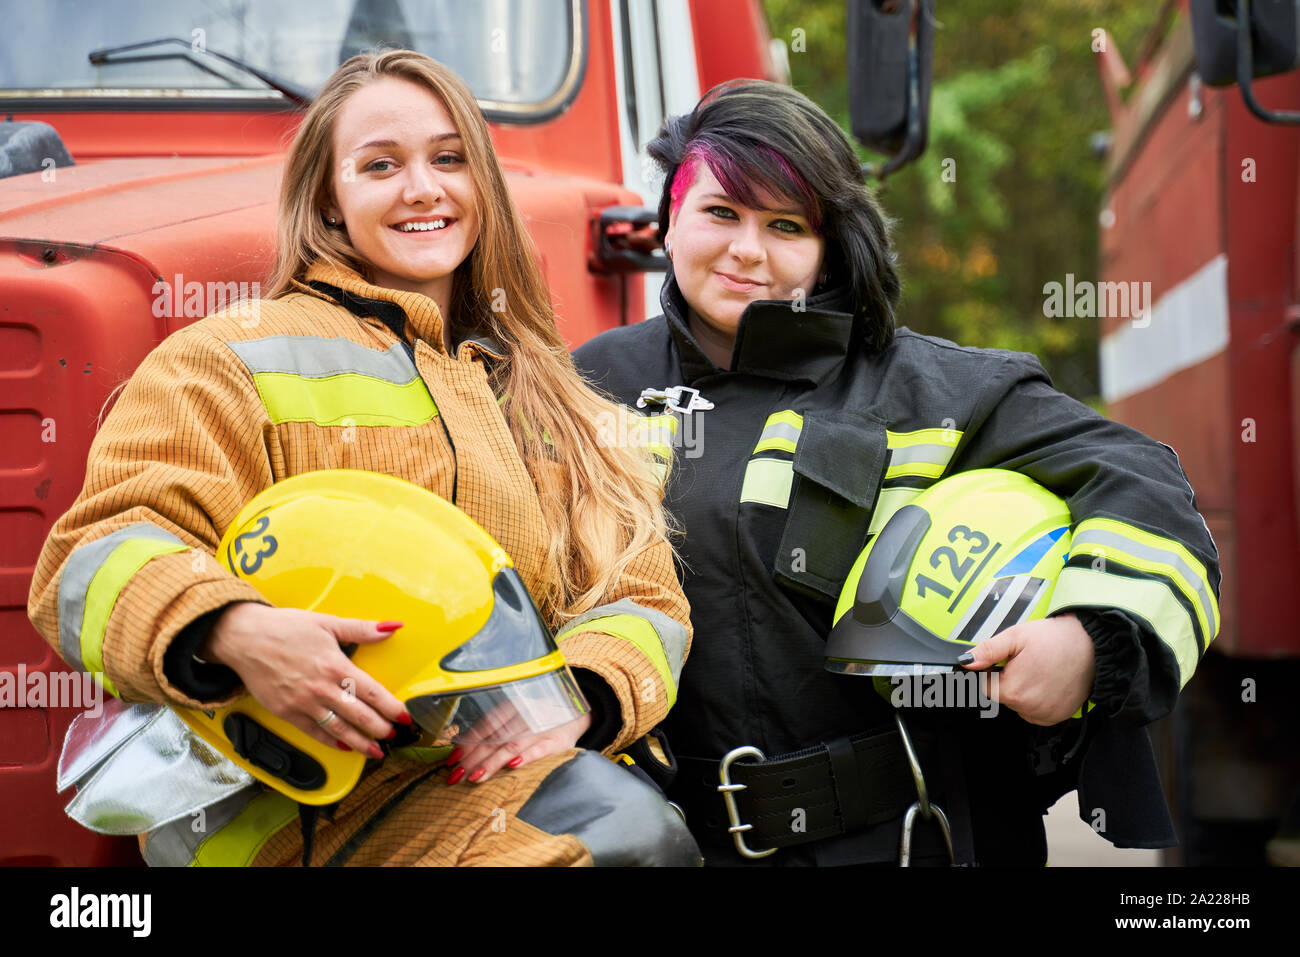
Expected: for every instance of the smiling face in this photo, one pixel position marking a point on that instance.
(726, 255)
(402, 187)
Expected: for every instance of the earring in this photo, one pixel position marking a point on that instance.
(333, 221)
(668, 250)
(821, 280)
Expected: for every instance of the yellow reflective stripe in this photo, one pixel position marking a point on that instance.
(656, 433)
(108, 582)
(780, 432)
(924, 453)
(1149, 552)
(640, 633)
(768, 482)
(236, 844)
(345, 399)
(425, 754)
(1152, 601)
(785, 417)
(904, 440)
(889, 502)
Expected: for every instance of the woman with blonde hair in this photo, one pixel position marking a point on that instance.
(408, 332)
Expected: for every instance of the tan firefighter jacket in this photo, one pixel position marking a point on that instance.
(236, 402)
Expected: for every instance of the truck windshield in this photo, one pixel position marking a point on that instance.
(516, 55)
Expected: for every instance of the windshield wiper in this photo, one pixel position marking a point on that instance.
(295, 93)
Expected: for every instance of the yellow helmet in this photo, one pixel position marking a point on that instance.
(363, 545)
(969, 557)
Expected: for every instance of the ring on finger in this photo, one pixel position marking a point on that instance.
(329, 716)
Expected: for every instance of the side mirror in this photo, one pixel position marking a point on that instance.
(1238, 41)
(890, 48)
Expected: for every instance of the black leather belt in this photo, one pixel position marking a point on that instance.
(819, 792)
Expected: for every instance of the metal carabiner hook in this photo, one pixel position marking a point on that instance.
(921, 805)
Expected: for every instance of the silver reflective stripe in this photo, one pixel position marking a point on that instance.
(162, 773)
(177, 843)
(317, 357)
(672, 634)
(78, 571)
(780, 430)
(931, 454)
(1161, 556)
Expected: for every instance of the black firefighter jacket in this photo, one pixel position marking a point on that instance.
(810, 445)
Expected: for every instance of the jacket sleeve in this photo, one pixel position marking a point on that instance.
(1143, 572)
(635, 642)
(131, 563)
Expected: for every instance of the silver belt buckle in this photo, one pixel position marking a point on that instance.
(727, 790)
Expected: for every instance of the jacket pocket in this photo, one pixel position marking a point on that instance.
(838, 465)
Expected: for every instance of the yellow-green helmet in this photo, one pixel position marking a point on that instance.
(967, 558)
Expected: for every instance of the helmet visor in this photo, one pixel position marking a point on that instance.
(500, 713)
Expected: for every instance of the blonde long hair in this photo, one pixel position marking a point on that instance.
(603, 504)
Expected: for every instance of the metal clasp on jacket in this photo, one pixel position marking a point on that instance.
(727, 790)
(922, 805)
(671, 398)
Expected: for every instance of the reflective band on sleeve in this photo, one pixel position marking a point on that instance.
(228, 834)
(1152, 553)
(924, 453)
(661, 639)
(768, 482)
(332, 381)
(236, 844)
(657, 433)
(888, 502)
(93, 576)
(1150, 600)
(781, 433)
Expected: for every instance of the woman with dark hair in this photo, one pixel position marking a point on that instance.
(808, 422)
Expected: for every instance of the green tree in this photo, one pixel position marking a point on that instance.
(1015, 102)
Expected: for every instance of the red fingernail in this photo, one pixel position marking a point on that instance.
(476, 775)
(455, 755)
(388, 626)
(391, 734)
(405, 719)
(514, 762)
(342, 746)
(456, 776)
(375, 751)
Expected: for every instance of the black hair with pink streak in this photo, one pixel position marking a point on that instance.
(756, 137)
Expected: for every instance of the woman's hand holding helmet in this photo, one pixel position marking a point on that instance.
(1049, 672)
(291, 662)
(480, 752)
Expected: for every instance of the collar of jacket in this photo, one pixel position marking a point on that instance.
(773, 339)
(400, 311)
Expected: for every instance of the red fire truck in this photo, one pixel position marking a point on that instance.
(146, 200)
(1201, 201)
